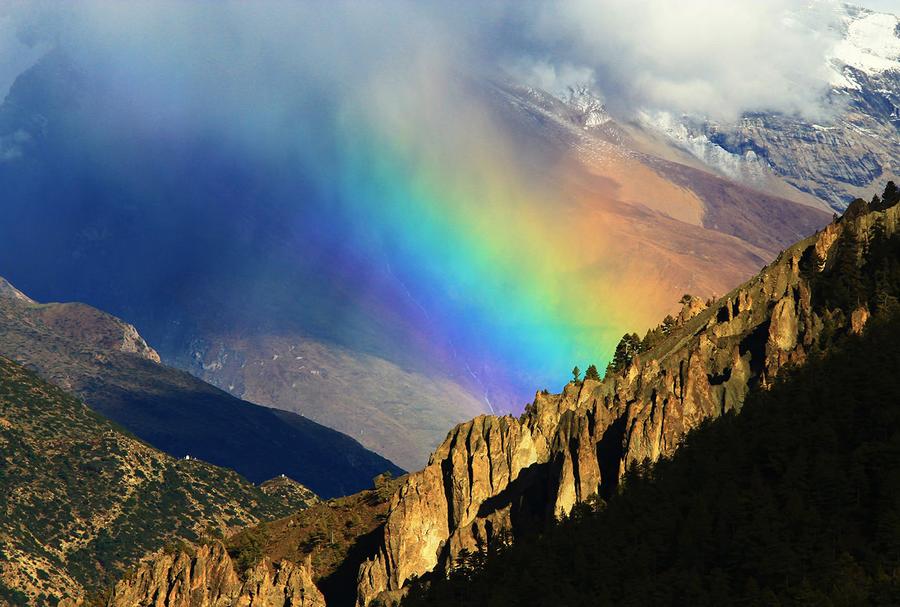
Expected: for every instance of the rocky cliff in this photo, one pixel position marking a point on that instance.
(494, 475)
(283, 562)
(207, 577)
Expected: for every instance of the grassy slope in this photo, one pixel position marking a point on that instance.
(336, 535)
(81, 499)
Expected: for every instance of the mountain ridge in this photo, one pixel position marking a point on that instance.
(495, 474)
(792, 501)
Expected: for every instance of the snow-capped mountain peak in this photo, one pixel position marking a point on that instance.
(857, 147)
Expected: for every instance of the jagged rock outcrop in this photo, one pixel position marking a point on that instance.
(493, 475)
(207, 578)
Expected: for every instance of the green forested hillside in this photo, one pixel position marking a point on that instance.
(794, 501)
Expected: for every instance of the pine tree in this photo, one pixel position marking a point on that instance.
(668, 324)
(848, 292)
(592, 373)
(810, 263)
(891, 195)
(576, 373)
(629, 347)
(855, 209)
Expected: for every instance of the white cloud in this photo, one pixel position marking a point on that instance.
(708, 57)
(557, 79)
(885, 6)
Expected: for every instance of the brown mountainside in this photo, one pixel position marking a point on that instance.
(364, 396)
(664, 216)
(326, 542)
(288, 490)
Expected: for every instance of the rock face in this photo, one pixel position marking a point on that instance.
(495, 475)
(208, 578)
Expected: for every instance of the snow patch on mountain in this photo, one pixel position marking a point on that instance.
(692, 136)
(870, 44)
(833, 158)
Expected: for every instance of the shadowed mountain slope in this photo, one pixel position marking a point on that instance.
(106, 362)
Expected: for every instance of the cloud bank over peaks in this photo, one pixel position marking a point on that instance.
(557, 79)
(715, 58)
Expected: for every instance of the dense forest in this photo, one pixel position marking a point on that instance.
(793, 501)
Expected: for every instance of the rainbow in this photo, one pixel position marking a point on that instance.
(517, 276)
